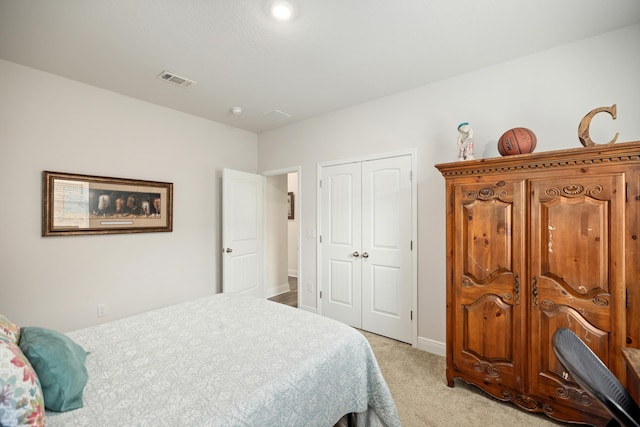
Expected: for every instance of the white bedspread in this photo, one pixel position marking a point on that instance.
(228, 360)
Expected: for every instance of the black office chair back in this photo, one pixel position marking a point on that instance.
(594, 377)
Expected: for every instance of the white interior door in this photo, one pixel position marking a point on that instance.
(341, 270)
(242, 232)
(386, 247)
(366, 243)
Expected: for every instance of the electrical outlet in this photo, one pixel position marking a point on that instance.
(102, 310)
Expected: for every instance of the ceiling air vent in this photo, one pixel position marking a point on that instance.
(276, 115)
(175, 79)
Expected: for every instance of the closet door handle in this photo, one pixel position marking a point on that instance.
(356, 254)
(365, 255)
(229, 250)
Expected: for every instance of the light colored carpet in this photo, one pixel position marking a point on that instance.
(419, 388)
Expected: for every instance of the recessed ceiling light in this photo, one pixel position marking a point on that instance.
(281, 10)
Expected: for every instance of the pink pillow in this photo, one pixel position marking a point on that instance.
(9, 330)
(21, 399)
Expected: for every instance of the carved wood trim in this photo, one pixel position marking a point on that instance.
(574, 190)
(572, 393)
(526, 402)
(585, 156)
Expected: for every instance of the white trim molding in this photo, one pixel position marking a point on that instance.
(431, 346)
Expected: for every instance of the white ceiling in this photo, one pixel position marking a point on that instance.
(333, 54)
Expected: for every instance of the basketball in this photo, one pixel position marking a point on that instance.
(517, 141)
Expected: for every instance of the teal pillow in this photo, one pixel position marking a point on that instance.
(59, 363)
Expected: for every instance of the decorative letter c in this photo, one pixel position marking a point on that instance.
(583, 129)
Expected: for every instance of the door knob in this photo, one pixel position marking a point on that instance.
(356, 254)
(365, 255)
(229, 250)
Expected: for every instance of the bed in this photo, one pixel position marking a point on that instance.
(228, 360)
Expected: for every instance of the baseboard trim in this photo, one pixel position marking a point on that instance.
(432, 346)
(309, 309)
(272, 292)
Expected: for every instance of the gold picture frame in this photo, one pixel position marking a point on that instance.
(75, 204)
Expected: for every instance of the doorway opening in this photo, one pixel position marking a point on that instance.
(282, 236)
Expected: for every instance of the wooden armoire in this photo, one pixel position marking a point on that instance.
(536, 242)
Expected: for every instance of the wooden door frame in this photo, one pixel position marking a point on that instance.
(414, 228)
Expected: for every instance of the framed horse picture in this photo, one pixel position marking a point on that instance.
(86, 204)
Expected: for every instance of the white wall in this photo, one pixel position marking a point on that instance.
(51, 123)
(548, 92)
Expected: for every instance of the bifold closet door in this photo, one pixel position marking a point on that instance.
(366, 245)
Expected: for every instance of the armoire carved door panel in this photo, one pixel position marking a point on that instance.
(489, 243)
(576, 275)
